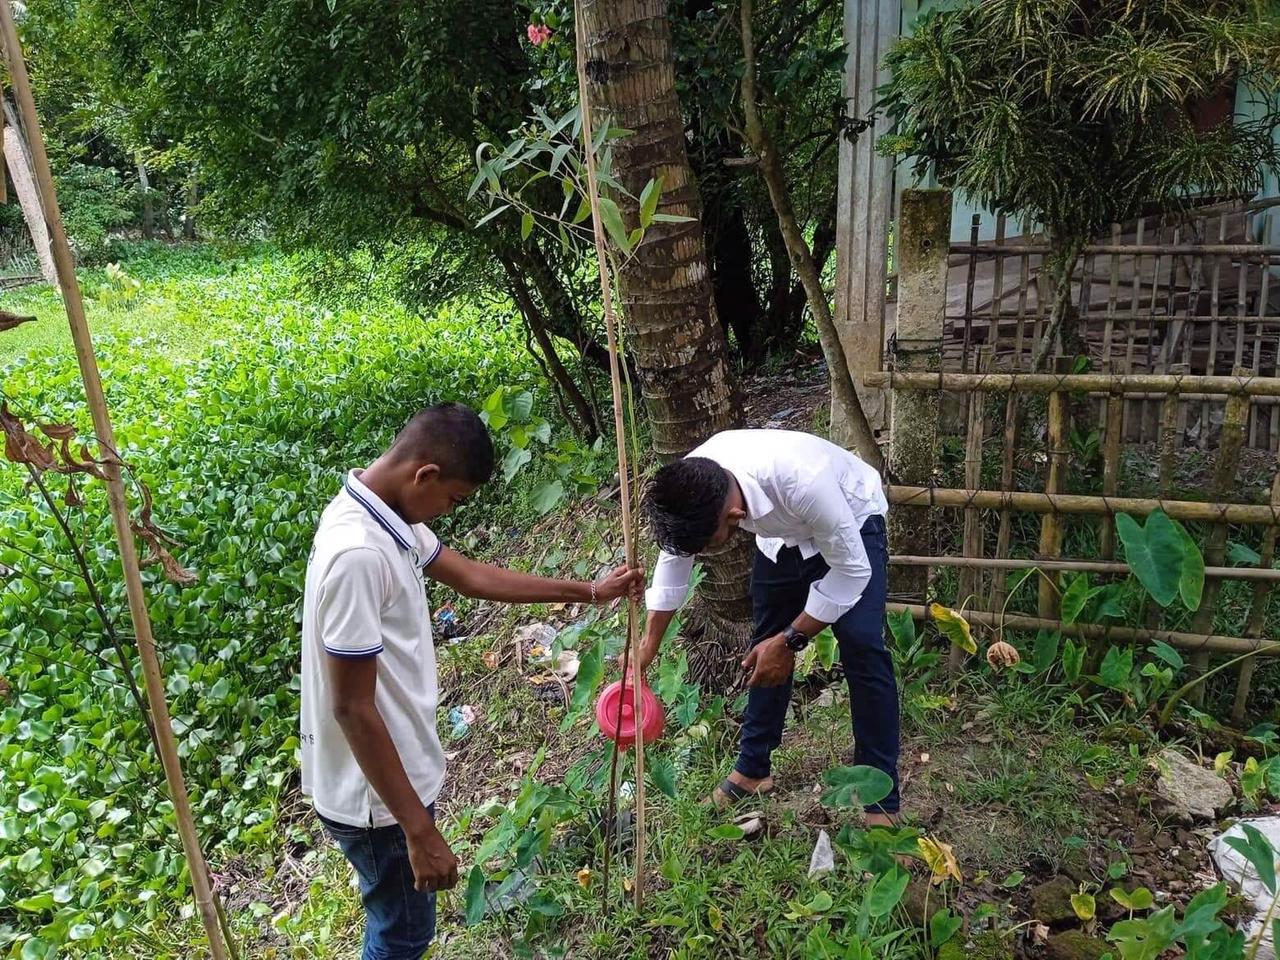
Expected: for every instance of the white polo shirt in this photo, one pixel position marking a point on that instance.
(365, 597)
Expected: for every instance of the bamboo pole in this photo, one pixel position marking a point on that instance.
(1215, 548)
(1257, 612)
(1091, 631)
(116, 499)
(1248, 385)
(1004, 532)
(1051, 532)
(971, 576)
(1259, 574)
(620, 437)
(1112, 451)
(1122, 249)
(1168, 443)
(1082, 504)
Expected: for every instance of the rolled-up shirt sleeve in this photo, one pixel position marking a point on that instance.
(838, 537)
(670, 583)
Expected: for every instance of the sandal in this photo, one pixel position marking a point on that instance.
(729, 793)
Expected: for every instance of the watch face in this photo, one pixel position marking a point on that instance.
(796, 641)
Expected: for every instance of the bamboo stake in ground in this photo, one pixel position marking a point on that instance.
(624, 474)
(1051, 525)
(1257, 612)
(111, 465)
(1215, 548)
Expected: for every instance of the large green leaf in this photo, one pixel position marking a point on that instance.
(856, 786)
(475, 905)
(1154, 553)
(611, 216)
(1076, 597)
(590, 670)
(1045, 652)
(1257, 849)
(1117, 668)
(1191, 579)
(887, 892)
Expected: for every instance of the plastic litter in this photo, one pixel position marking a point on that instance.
(823, 860)
(1241, 874)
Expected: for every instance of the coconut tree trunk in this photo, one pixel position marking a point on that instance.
(675, 337)
(24, 186)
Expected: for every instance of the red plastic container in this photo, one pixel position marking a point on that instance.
(624, 734)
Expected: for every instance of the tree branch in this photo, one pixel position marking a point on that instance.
(801, 255)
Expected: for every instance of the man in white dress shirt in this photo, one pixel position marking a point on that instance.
(818, 515)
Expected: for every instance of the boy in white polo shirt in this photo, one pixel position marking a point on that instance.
(371, 756)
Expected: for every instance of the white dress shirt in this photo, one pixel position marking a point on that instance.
(800, 491)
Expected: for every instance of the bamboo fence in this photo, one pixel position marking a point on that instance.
(1055, 506)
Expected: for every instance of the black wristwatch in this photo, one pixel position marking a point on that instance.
(796, 641)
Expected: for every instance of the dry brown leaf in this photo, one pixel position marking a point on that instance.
(1001, 654)
(156, 553)
(584, 878)
(10, 320)
(22, 447)
(491, 659)
(941, 860)
(57, 431)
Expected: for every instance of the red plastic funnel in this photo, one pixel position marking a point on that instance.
(624, 734)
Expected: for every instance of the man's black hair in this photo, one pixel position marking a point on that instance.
(453, 437)
(684, 504)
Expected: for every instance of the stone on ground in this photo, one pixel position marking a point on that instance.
(1189, 790)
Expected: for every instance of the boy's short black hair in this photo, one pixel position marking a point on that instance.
(453, 437)
(684, 504)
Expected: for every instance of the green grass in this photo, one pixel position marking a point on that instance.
(168, 274)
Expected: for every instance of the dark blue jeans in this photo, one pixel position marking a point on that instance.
(400, 921)
(778, 594)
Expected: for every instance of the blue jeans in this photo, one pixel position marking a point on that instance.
(400, 921)
(778, 594)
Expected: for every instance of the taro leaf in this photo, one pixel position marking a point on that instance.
(1257, 849)
(1154, 554)
(1084, 905)
(10, 320)
(902, 627)
(1045, 652)
(1139, 899)
(1072, 660)
(1168, 654)
(475, 895)
(943, 925)
(516, 458)
(726, 831)
(1077, 597)
(952, 625)
(825, 646)
(1146, 938)
(854, 786)
(546, 496)
(1200, 919)
(887, 892)
(590, 670)
(522, 406)
(1242, 555)
(1191, 578)
(1117, 667)
(663, 775)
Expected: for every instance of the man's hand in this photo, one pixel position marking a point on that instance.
(434, 865)
(648, 650)
(769, 663)
(621, 582)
